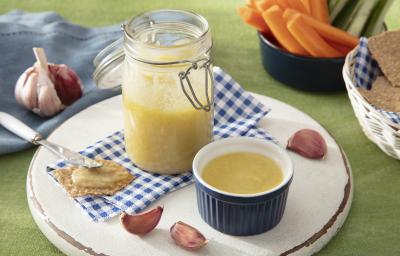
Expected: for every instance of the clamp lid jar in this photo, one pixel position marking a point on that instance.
(165, 68)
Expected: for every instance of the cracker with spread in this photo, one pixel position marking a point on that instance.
(105, 180)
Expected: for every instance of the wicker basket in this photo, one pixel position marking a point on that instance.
(378, 128)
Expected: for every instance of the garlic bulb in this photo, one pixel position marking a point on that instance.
(46, 88)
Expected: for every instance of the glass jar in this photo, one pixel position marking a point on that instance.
(167, 87)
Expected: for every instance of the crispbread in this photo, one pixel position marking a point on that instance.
(64, 177)
(386, 51)
(383, 95)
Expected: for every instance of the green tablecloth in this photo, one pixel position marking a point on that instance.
(373, 226)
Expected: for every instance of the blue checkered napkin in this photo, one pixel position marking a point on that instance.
(236, 114)
(366, 70)
(145, 189)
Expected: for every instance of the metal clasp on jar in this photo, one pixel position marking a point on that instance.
(188, 90)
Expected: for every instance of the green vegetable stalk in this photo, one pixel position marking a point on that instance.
(335, 7)
(346, 16)
(359, 17)
(375, 22)
(363, 13)
(332, 4)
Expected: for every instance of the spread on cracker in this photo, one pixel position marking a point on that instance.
(105, 180)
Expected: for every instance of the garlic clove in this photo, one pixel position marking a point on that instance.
(67, 83)
(187, 236)
(142, 223)
(308, 143)
(26, 89)
(19, 86)
(30, 92)
(49, 103)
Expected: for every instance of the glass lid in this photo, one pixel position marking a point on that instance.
(161, 30)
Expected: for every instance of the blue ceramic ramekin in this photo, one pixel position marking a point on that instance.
(242, 214)
(302, 72)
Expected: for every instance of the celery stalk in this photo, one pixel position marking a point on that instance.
(332, 4)
(360, 19)
(346, 16)
(376, 19)
(337, 8)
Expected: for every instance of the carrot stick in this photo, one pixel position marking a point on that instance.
(252, 4)
(341, 48)
(289, 13)
(307, 5)
(309, 38)
(327, 31)
(320, 10)
(283, 4)
(295, 4)
(273, 16)
(298, 5)
(253, 18)
(263, 5)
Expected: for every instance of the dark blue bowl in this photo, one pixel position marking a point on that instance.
(242, 214)
(304, 73)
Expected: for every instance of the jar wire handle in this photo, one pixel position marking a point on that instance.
(191, 95)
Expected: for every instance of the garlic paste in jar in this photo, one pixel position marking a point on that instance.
(163, 129)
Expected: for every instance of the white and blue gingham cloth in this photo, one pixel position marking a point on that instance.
(366, 70)
(236, 113)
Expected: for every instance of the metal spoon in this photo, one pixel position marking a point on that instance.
(22, 130)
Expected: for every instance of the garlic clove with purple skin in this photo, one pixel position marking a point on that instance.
(308, 143)
(67, 83)
(187, 236)
(142, 223)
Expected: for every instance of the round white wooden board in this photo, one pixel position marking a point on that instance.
(318, 203)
